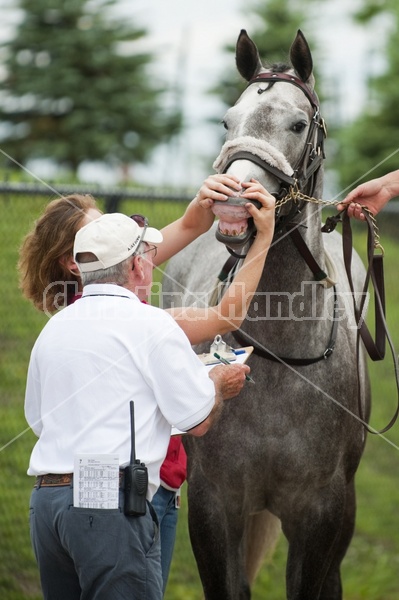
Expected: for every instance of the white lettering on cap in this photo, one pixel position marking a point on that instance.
(134, 243)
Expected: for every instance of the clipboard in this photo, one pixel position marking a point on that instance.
(240, 356)
(210, 361)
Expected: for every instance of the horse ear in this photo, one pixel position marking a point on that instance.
(247, 56)
(301, 57)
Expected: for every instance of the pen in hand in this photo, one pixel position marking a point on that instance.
(227, 362)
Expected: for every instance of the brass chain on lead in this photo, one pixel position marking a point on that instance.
(295, 195)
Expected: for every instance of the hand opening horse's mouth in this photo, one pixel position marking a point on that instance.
(235, 224)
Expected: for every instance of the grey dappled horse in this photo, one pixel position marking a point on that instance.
(287, 449)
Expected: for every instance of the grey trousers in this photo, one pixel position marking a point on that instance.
(93, 554)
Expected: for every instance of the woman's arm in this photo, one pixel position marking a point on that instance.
(198, 217)
(202, 324)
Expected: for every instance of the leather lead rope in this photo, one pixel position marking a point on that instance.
(375, 274)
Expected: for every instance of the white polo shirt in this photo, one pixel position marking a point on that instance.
(90, 360)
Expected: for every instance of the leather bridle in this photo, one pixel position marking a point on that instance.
(304, 173)
(313, 152)
(306, 168)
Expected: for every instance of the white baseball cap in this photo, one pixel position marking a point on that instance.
(112, 238)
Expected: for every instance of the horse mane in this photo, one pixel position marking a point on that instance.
(279, 68)
(276, 68)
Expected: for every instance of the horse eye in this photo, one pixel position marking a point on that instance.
(224, 124)
(299, 127)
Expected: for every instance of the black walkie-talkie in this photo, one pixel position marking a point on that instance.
(136, 478)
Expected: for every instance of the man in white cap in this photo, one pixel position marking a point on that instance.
(89, 362)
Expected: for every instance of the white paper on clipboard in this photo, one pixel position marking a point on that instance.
(240, 358)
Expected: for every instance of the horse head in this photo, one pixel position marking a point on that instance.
(274, 133)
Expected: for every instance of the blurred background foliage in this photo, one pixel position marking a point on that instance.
(370, 142)
(77, 87)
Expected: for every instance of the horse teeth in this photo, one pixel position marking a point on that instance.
(232, 232)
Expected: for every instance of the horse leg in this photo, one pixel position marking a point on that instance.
(312, 534)
(216, 538)
(263, 530)
(332, 586)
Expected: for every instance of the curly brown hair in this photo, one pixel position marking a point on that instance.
(43, 276)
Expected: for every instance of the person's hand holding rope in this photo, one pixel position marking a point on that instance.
(373, 195)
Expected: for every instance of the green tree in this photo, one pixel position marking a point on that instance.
(368, 147)
(77, 87)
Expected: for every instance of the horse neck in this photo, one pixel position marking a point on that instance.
(289, 295)
(285, 267)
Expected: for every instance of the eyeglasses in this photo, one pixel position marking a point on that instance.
(153, 249)
(142, 222)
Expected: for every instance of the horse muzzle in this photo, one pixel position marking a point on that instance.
(236, 225)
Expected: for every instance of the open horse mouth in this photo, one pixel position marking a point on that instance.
(235, 223)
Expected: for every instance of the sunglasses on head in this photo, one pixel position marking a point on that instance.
(142, 222)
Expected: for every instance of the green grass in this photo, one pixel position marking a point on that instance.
(372, 563)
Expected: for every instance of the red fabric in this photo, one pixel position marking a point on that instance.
(174, 467)
(74, 298)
